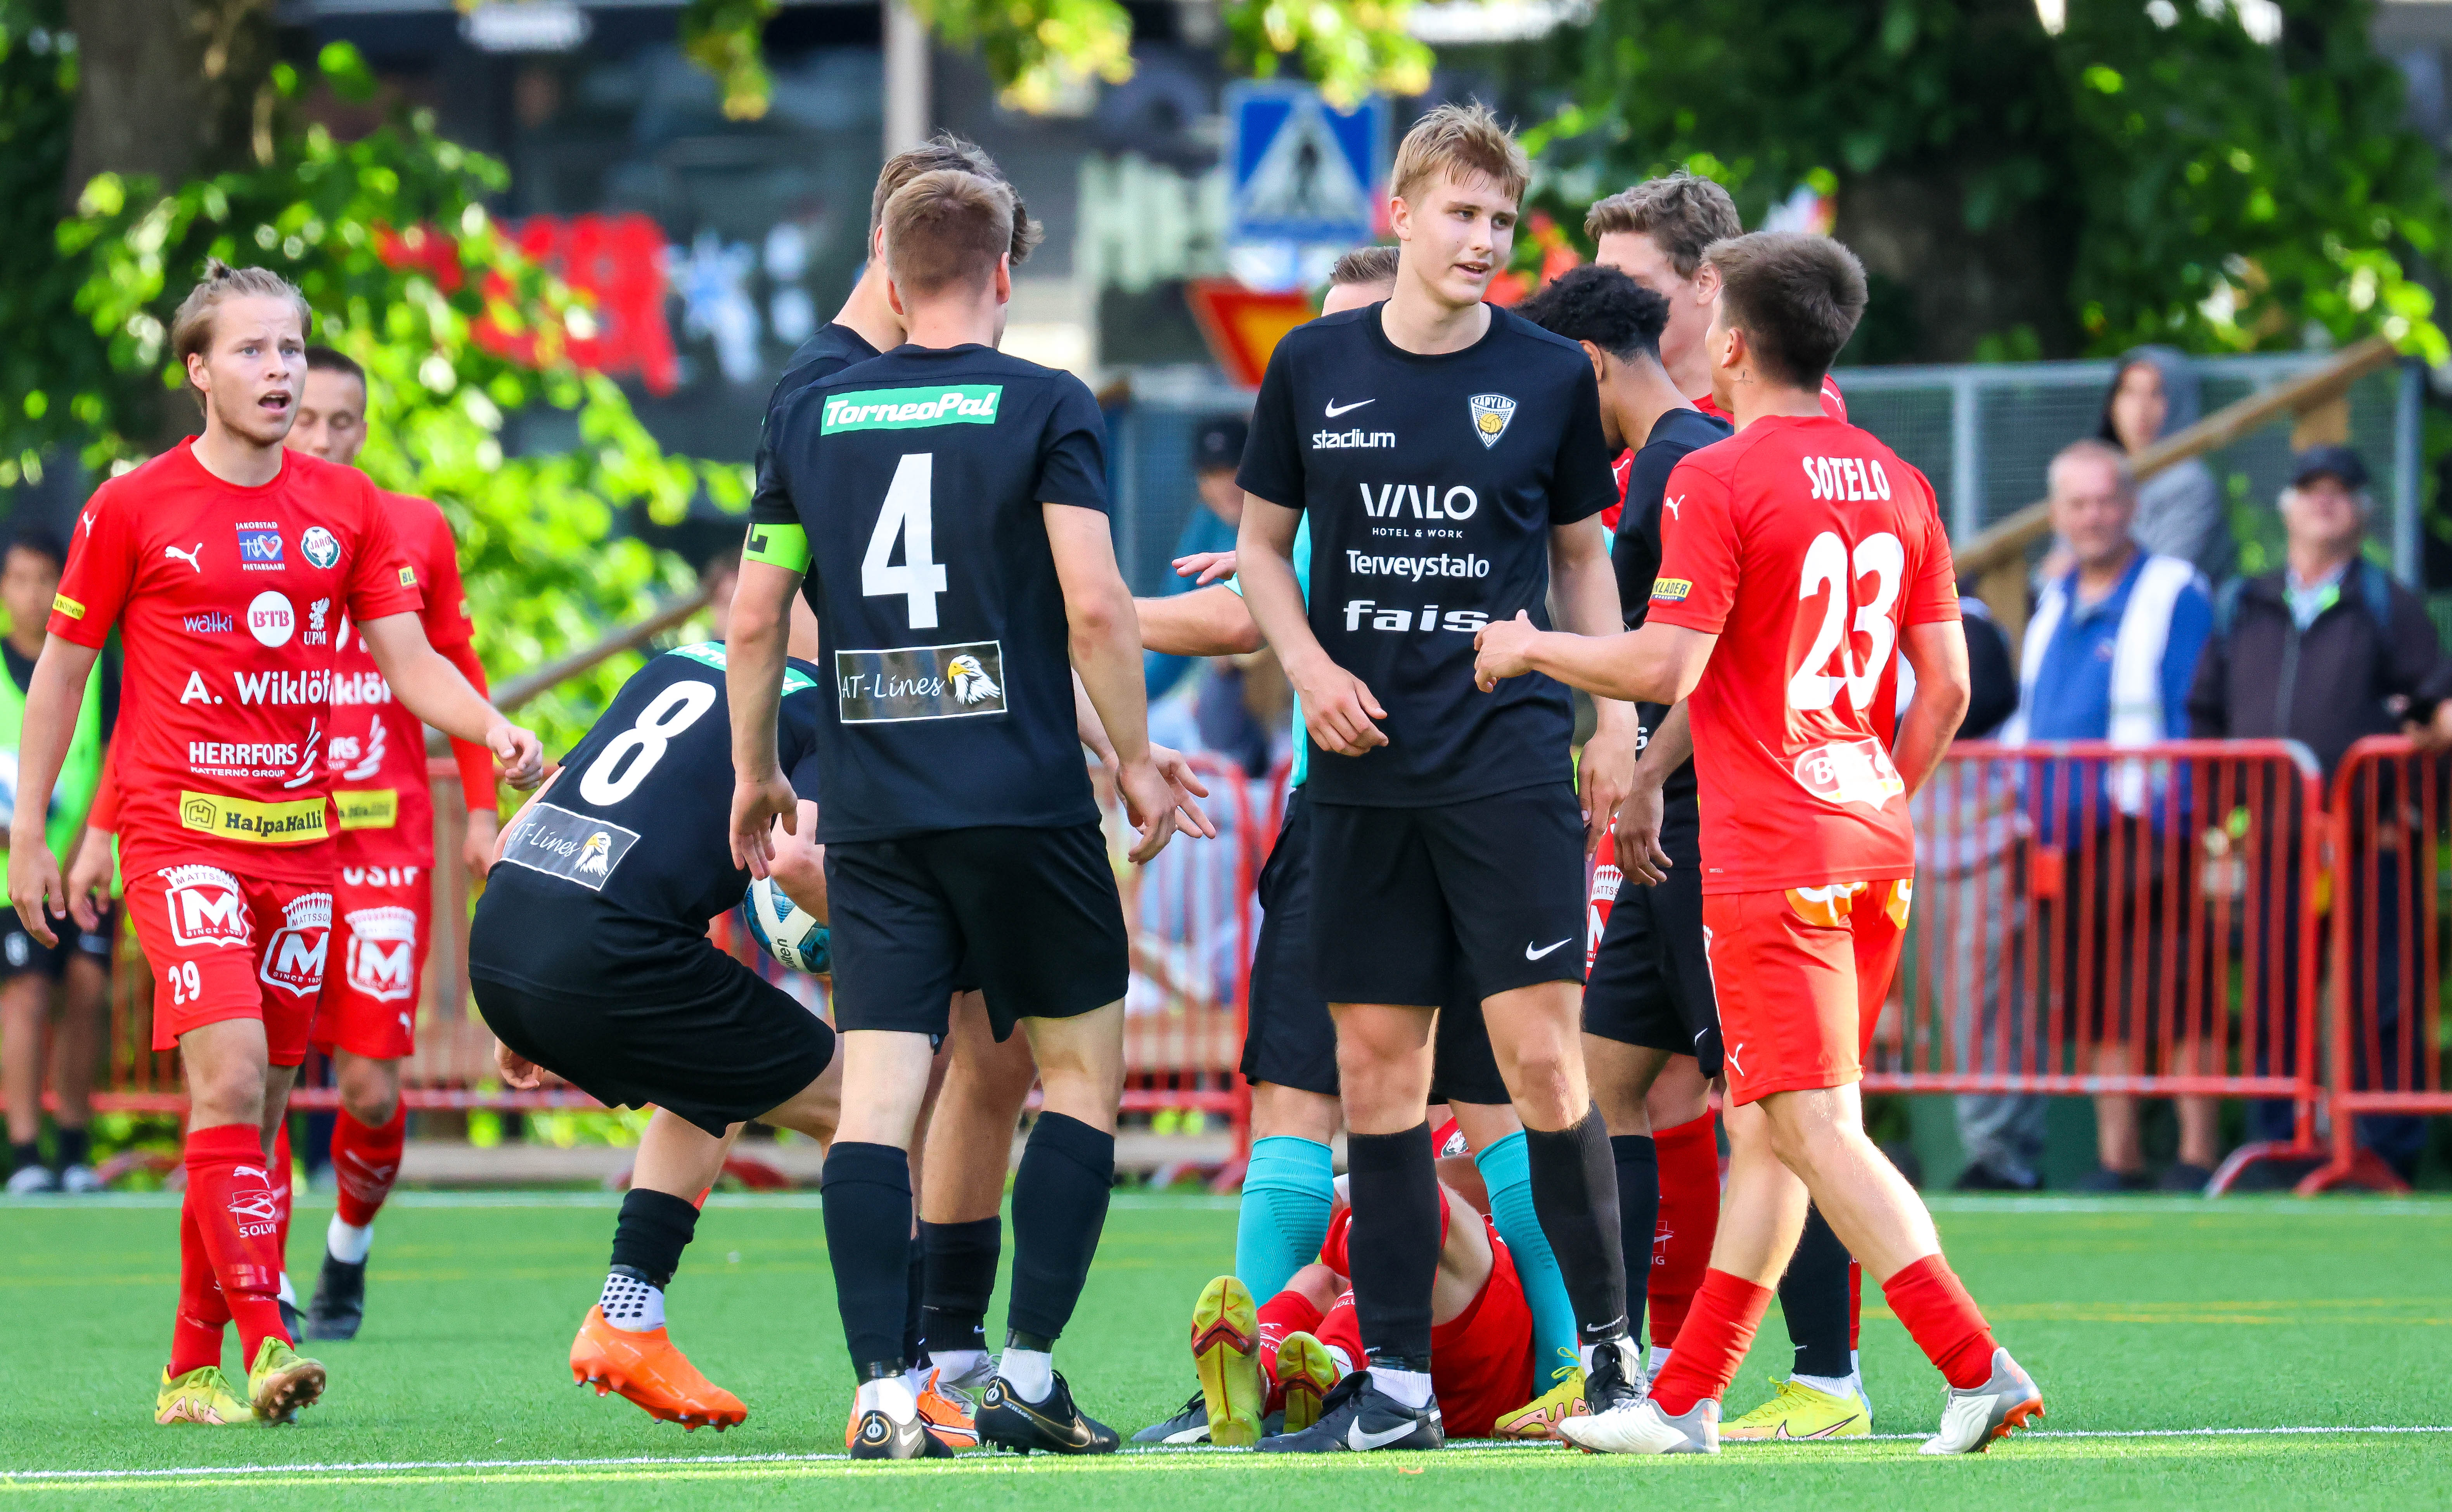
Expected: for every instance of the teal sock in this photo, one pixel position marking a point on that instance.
(1507, 1171)
(1286, 1194)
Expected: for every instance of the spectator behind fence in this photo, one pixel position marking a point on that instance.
(2110, 656)
(1217, 451)
(2325, 651)
(2155, 394)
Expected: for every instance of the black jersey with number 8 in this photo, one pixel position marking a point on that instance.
(917, 478)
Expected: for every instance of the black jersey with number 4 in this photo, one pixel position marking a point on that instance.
(635, 832)
(918, 478)
(1432, 482)
(1635, 553)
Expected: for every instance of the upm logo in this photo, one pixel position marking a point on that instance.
(205, 907)
(294, 959)
(382, 953)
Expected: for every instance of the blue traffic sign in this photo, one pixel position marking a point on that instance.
(1303, 171)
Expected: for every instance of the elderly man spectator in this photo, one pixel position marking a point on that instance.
(2110, 656)
(2327, 651)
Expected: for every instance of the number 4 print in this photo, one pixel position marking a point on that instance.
(1826, 566)
(910, 513)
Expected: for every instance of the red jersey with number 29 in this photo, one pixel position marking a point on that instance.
(229, 602)
(1807, 546)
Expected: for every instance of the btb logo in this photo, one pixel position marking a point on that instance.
(293, 958)
(382, 959)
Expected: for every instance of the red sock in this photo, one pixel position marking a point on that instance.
(234, 1210)
(196, 1332)
(1287, 1312)
(364, 1164)
(1943, 1319)
(276, 1172)
(1719, 1330)
(1690, 1220)
(1855, 1303)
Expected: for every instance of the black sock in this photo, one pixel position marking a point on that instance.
(653, 1231)
(1059, 1205)
(25, 1156)
(70, 1147)
(1575, 1190)
(1813, 1299)
(867, 1194)
(915, 1275)
(1638, 1216)
(1393, 1245)
(961, 1280)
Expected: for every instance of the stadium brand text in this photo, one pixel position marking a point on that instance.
(1353, 439)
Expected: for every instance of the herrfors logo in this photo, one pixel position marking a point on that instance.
(270, 618)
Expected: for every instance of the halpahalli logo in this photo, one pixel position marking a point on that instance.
(1490, 413)
(912, 408)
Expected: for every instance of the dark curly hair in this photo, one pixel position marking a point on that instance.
(1601, 306)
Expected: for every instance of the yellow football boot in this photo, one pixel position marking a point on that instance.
(282, 1381)
(1798, 1411)
(204, 1396)
(1540, 1417)
(1226, 1353)
(1308, 1373)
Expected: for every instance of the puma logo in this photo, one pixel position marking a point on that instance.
(1671, 504)
(188, 556)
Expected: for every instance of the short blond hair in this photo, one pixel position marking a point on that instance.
(946, 150)
(1682, 213)
(191, 328)
(1364, 265)
(1459, 141)
(947, 227)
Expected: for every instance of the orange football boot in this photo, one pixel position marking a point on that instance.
(647, 1370)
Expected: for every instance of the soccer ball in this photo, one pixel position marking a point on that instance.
(789, 934)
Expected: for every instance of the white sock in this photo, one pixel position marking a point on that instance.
(890, 1395)
(962, 1367)
(916, 1378)
(631, 1304)
(1586, 1354)
(1411, 1388)
(348, 1242)
(1031, 1373)
(1829, 1386)
(287, 1292)
(1658, 1362)
(1344, 1361)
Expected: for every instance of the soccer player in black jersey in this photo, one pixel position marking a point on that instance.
(1450, 458)
(962, 840)
(588, 958)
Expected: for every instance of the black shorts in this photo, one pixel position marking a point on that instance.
(1651, 981)
(1029, 917)
(1289, 1038)
(711, 1040)
(1411, 901)
(20, 953)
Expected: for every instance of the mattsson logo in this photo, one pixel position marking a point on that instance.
(912, 408)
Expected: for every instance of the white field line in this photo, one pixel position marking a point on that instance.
(685, 1461)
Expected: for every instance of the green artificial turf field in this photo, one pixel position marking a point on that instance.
(2148, 1322)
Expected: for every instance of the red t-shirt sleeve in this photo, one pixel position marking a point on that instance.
(101, 570)
(382, 580)
(477, 784)
(447, 600)
(1933, 596)
(104, 813)
(1697, 584)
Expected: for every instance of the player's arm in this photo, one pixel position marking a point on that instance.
(1338, 709)
(433, 689)
(52, 702)
(1639, 855)
(88, 881)
(1106, 649)
(1583, 590)
(476, 766)
(1211, 621)
(759, 640)
(1937, 651)
(799, 864)
(1659, 663)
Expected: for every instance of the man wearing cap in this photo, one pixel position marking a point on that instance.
(2325, 651)
(1217, 451)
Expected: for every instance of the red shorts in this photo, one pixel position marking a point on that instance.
(382, 923)
(224, 947)
(1481, 1360)
(1801, 976)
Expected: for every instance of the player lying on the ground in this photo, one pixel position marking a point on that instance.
(1290, 1354)
(1802, 552)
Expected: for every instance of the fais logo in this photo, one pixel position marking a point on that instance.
(382, 952)
(293, 958)
(259, 546)
(205, 907)
(318, 546)
(1397, 621)
(270, 618)
(211, 622)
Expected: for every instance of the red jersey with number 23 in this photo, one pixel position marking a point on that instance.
(229, 602)
(1807, 546)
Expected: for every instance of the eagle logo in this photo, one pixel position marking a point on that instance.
(972, 683)
(593, 855)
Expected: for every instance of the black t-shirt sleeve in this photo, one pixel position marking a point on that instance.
(1580, 483)
(1073, 463)
(1272, 453)
(770, 502)
(1992, 677)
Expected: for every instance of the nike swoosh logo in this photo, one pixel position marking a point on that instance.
(1358, 1439)
(1531, 954)
(1335, 409)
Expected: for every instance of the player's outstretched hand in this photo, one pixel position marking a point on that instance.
(1205, 566)
(1605, 776)
(34, 887)
(477, 848)
(1150, 802)
(1339, 709)
(88, 881)
(1503, 648)
(755, 806)
(1639, 855)
(518, 1070)
(520, 752)
(1188, 786)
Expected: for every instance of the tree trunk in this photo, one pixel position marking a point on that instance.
(167, 90)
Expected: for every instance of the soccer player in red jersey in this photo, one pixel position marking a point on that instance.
(208, 560)
(383, 901)
(1803, 552)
